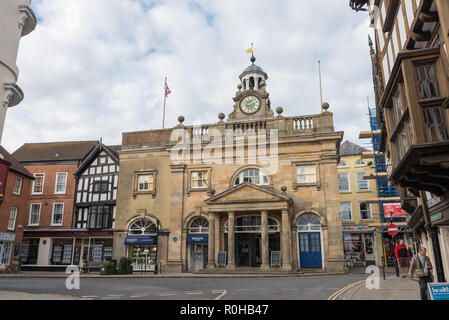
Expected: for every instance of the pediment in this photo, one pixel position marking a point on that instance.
(248, 193)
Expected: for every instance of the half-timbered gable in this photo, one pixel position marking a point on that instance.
(96, 189)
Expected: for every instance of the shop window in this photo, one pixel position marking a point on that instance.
(12, 219)
(62, 252)
(306, 174)
(346, 211)
(61, 181)
(365, 211)
(199, 225)
(5, 252)
(199, 179)
(343, 182)
(38, 183)
(362, 184)
(35, 212)
(143, 227)
(100, 217)
(57, 215)
(427, 81)
(17, 186)
(253, 176)
(436, 124)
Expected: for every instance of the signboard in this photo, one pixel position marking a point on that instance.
(7, 237)
(393, 229)
(438, 291)
(4, 167)
(198, 238)
(221, 259)
(276, 260)
(393, 210)
(436, 217)
(358, 228)
(142, 240)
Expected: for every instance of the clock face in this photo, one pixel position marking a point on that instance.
(250, 104)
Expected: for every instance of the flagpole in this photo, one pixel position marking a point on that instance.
(321, 87)
(165, 103)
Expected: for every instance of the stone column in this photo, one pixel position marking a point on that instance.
(231, 240)
(286, 238)
(211, 244)
(265, 246)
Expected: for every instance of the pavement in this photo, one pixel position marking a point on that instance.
(225, 287)
(393, 288)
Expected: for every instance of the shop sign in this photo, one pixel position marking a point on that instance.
(4, 167)
(438, 291)
(357, 228)
(11, 237)
(140, 240)
(276, 260)
(221, 259)
(436, 217)
(198, 238)
(393, 210)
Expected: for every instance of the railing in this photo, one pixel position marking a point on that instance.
(249, 128)
(303, 124)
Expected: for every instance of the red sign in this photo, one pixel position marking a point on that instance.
(393, 229)
(394, 210)
(4, 167)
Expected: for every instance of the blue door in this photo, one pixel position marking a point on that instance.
(310, 249)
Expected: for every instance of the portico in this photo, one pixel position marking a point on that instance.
(254, 221)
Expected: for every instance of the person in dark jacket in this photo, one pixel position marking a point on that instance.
(421, 267)
(402, 254)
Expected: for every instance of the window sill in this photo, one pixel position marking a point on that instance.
(56, 225)
(306, 185)
(364, 191)
(37, 194)
(149, 192)
(345, 192)
(60, 193)
(12, 230)
(16, 194)
(33, 225)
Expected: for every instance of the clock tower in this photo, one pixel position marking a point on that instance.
(252, 100)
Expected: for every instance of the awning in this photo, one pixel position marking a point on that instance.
(141, 239)
(198, 238)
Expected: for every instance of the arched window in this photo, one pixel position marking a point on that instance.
(253, 224)
(143, 227)
(253, 176)
(342, 165)
(199, 225)
(360, 163)
(309, 222)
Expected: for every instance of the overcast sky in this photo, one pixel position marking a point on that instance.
(96, 68)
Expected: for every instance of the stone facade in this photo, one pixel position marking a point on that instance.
(265, 197)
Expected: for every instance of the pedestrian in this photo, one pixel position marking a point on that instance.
(403, 255)
(421, 267)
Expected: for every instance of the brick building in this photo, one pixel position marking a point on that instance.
(13, 209)
(48, 234)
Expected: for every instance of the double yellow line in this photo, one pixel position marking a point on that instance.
(335, 295)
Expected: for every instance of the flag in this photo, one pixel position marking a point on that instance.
(250, 50)
(167, 90)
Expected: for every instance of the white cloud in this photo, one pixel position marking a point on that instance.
(106, 77)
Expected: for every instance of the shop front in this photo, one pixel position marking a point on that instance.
(359, 243)
(6, 247)
(197, 251)
(389, 243)
(141, 245)
(54, 250)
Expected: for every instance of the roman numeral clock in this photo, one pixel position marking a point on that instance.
(252, 100)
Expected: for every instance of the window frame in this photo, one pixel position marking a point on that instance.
(65, 182)
(100, 182)
(31, 213)
(349, 182)
(370, 211)
(297, 165)
(13, 227)
(350, 211)
(138, 174)
(20, 186)
(191, 188)
(34, 183)
(241, 175)
(357, 181)
(52, 222)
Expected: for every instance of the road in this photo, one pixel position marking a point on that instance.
(280, 288)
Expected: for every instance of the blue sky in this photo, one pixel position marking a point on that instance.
(95, 69)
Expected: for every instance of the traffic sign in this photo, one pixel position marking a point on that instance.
(393, 229)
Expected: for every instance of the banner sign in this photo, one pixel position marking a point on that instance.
(393, 210)
(142, 240)
(4, 167)
(198, 238)
(438, 291)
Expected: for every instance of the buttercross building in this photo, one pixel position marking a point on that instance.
(257, 190)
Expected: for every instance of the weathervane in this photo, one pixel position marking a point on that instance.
(251, 50)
